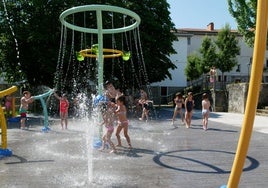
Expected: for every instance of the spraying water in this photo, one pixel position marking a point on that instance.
(14, 36)
(99, 56)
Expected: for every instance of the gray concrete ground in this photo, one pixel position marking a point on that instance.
(162, 155)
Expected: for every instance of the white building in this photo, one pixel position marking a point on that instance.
(189, 41)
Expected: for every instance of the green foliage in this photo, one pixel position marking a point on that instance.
(228, 49)
(220, 53)
(209, 56)
(192, 69)
(244, 13)
(38, 31)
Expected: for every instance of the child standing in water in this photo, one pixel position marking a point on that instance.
(144, 103)
(64, 107)
(189, 105)
(121, 113)
(24, 105)
(179, 101)
(111, 92)
(108, 122)
(205, 110)
(8, 105)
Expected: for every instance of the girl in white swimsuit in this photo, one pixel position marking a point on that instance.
(205, 110)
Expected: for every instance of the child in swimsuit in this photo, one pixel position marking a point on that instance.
(144, 103)
(121, 113)
(205, 110)
(111, 92)
(24, 105)
(8, 105)
(108, 121)
(179, 101)
(189, 105)
(64, 106)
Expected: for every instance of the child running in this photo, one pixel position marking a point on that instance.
(108, 121)
(121, 113)
(205, 110)
(189, 105)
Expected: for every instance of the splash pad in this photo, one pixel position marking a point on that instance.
(100, 52)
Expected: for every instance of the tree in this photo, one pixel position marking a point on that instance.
(220, 53)
(37, 31)
(192, 70)
(244, 13)
(228, 49)
(35, 37)
(208, 53)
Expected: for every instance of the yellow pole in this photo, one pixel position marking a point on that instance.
(253, 93)
(2, 116)
(4, 129)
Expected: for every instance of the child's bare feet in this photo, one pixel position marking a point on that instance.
(129, 147)
(118, 145)
(101, 149)
(113, 151)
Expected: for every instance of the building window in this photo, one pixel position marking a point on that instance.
(238, 68)
(266, 65)
(265, 79)
(189, 40)
(224, 78)
(163, 91)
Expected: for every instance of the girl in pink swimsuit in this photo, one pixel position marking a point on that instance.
(108, 121)
(8, 105)
(179, 102)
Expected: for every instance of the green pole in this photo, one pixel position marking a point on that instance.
(100, 52)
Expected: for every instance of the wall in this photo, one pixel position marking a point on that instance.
(180, 59)
(238, 96)
(219, 101)
(263, 99)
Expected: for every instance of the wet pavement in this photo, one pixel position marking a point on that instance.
(162, 155)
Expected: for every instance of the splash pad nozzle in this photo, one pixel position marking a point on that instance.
(5, 153)
(100, 31)
(44, 106)
(108, 53)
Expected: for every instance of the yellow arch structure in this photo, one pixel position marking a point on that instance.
(2, 116)
(253, 93)
(112, 53)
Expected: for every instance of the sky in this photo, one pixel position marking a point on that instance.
(199, 13)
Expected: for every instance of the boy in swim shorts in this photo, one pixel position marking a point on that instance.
(25, 100)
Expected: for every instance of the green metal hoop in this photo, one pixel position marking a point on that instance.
(100, 31)
(99, 9)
